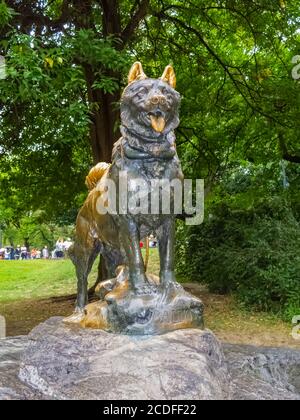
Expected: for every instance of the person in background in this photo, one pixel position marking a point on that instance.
(2, 253)
(152, 241)
(24, 252)
(7, 254)
(45, 253)
(33, 254)
(60, 248)
(12, 253)
(38, 254)
(18, 252)
(67, 244)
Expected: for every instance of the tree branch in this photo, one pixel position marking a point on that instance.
(27, 16)
(226, 67)
(139, 15)
(285, 153)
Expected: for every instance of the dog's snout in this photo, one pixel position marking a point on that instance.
(158, 100)
(157, 113)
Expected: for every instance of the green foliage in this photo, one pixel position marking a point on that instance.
(251, 252)
(34, 229)
(45, 119)
(6, 13)
(89, 48)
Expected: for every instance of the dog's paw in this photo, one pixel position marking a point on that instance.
(76, 318)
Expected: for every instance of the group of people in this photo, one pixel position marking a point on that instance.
(11, 253)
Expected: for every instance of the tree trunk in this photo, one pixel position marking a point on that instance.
(104, 128)
(27, 243)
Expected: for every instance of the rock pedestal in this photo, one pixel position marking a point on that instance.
(66, 362)
(11, 387)
(60, 362)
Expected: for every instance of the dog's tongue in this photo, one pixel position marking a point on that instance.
(158, 123)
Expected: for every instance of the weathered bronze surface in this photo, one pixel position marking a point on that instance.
(132, 302)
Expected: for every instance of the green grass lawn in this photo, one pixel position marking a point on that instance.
(37, 279)
(21, 280)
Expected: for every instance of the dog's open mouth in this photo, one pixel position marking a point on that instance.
(158, 122)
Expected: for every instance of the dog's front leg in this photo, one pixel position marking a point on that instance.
(130, 239)
(167, 253)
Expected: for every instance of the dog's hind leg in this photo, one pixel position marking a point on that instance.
(84, 260)
(83, 255)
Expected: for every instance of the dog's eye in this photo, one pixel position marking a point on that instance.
(142, 92)
(167, 94)
(165, 91)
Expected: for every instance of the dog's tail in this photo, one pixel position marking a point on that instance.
(96, 174)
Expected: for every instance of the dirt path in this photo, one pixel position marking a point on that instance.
(221, 316)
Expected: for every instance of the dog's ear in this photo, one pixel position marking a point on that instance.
(136, 73)
(169, 76)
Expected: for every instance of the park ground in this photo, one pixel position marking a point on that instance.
(33, 291)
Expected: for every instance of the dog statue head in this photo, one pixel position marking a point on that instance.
(150, 107)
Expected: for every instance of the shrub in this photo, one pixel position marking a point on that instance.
(252, 252)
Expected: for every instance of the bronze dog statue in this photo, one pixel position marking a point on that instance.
(149, 116)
